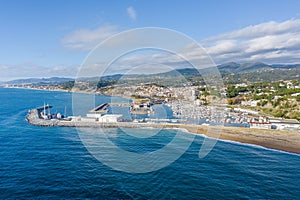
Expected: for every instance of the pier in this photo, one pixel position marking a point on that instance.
(103, 108)
(121, 104)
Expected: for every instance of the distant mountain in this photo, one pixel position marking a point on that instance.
(229, 67)
(180, 72)
(231, 71)
(285, 66)
(241, 68)
(51, 80)
(233, 67)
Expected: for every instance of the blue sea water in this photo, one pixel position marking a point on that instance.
(53, 163)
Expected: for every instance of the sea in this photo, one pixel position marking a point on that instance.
(57, 163)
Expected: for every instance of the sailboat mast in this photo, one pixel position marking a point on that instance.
(44, 108)
(65, 114)
(48, 109)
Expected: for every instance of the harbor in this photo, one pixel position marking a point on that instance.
(94, 118)
(184, 113)
(286, 140)
(236, 117)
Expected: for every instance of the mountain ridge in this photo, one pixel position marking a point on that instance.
(225, 69)
(39, 80)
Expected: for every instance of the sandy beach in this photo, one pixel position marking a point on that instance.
(284, 140)
(275, 139)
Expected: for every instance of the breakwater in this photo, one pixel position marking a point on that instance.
(276, 139)
(34, 118)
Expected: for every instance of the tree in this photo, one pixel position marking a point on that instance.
(67, 85)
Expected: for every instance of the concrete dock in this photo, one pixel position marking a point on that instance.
(34, 118)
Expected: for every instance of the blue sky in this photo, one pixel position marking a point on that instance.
(52, 38)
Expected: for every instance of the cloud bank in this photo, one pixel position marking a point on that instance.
(270, 42)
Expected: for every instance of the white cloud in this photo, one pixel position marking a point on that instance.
(270, 42)
(87, 39)
(131, 13)
(262, 29)
(224, 46)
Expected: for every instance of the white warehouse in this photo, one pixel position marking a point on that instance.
(109, 118)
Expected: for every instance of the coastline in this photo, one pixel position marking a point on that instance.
(38, 89)
(288, 141)
(69, 91)
(283, 140)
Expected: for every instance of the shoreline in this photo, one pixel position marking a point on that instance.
(288, 141)
(38, 89)
(283, 140)
(68, 91)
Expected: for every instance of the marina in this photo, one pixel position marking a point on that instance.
(264, 137)
(206, 116)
